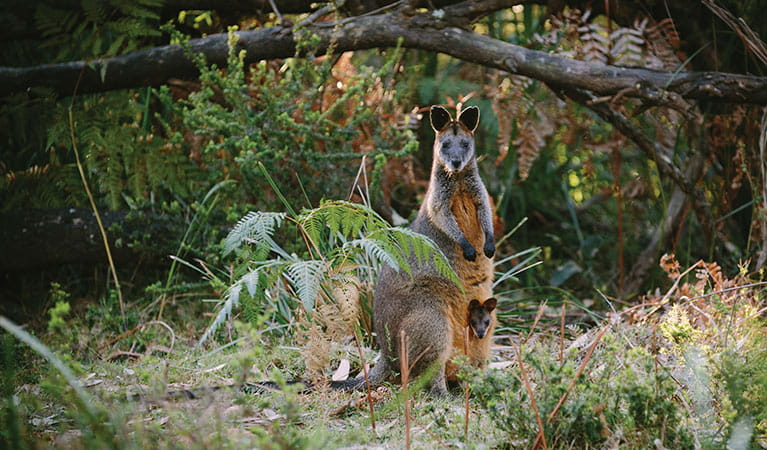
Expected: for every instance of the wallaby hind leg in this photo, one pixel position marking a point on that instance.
(428, 337)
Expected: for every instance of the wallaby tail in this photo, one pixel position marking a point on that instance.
(377, 375)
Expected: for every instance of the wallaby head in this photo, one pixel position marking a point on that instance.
(480, 316)
(454, 142)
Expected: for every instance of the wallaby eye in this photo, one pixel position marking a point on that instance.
(487, 322)
(464, 144)
(446, 144)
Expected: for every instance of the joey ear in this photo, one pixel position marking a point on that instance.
(439, 117)
(490, 304)
(474, 304)
(470, 118)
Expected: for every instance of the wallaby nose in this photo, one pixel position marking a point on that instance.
(456, 163)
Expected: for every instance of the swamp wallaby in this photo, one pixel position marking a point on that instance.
(480, 316)
(427, 307)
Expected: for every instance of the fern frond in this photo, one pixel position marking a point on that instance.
(305, 277)
(250, 281)
(257, 226)
(349, 219)
(232, 300)
(628, 45)
(422, 245)
(376, 249)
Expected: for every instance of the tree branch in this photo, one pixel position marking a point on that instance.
(432, 31)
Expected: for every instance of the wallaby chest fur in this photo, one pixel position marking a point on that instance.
(429, 308)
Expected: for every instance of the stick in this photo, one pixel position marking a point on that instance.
(367, 380)
(541, 432)
(404, 372)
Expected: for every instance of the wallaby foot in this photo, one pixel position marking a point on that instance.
(438, 385)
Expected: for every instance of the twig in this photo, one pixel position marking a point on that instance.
(619, 215)
(538, 316)
(466, 388)
(404, 373)
(651, 149)
(585, 361)
(562, 337)
(432, 434)
(541, 436)
(367, 380)
(750, 39)
(276, 11)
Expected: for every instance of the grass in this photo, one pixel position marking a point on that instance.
(685, 369)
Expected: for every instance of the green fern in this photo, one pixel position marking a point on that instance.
(99, 28)
(378, 250)
(306, 277)
(256, 227)
(230, 302)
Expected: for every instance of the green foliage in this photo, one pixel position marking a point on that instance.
(302, 120)
(99, 28)
(58, 312)
(620, 399)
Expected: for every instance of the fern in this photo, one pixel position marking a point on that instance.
(425, 248)
(232, 300)
(377, 250)
(99, 28)
(627, 47)
(256, 227)
(305, 277)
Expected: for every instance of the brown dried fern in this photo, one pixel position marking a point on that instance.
(510, 101)
(531, 140)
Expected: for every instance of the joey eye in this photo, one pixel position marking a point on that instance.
(487, 322)
(446, 144)
(464, 144)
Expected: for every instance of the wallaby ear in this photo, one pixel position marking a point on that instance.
(439, 117)
(474, 304)
(470, 118)
(490, 304)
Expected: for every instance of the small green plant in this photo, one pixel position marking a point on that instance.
(61, 309)
(620, 399)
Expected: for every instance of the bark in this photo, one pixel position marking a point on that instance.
(427, 31)
(31, 239)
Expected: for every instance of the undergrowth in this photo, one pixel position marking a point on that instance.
(684, 369)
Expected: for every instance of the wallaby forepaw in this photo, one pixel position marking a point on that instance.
(469, 253)
(489, 249)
